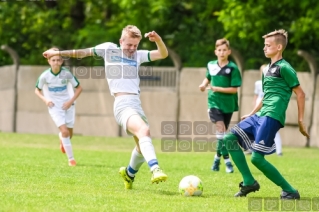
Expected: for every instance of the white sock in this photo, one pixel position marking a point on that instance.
(227, 160)
(67, 147)
(148, 152)
(278, 143)
(136, 162)
(216, 157)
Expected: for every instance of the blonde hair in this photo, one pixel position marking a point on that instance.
(222, 41)
(55, 49)
(281, 37)
(131, 31)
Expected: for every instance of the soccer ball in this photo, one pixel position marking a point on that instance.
(191, 186)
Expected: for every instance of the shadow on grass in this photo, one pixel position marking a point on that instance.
(92, 165)
(168, 193)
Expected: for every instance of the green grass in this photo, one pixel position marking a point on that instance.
(35, 176)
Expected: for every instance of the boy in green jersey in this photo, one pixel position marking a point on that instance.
(257, 130)
(224, 79)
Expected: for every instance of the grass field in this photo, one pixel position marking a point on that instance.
(35, 176)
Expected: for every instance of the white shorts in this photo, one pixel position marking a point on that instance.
(60, 116)
(126, 106)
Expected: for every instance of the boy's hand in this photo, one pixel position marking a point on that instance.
(202, 87)
(49, 103)
(153, 36)
(302, 129)
(244, 116)
(67, 105)
(50, 53)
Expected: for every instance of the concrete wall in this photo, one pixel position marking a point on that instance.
(314, 130)
(94, 108)
(7, 76)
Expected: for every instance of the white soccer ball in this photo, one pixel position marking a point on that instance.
(190, 186)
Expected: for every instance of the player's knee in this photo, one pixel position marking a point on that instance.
(220, 135)
(65, 133)
(257, 159)
(231, 141)
(144, 131)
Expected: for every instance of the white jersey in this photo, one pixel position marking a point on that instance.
(259, 91)
(121, 72)
(56, 87)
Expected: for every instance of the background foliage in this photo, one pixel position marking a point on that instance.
(188, 27)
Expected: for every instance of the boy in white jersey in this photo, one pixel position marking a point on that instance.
(121, 68)
(56, 94)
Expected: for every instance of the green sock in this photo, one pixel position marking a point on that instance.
(238, 157)
(221, 147)
(271, 172)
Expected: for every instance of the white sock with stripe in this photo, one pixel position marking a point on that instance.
(148, 152)
(67, 147)
(136, 162)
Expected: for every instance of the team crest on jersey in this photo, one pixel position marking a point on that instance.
(273, 70)
(64, 81)
(227, 71)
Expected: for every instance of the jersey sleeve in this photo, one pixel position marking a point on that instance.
(208, 76)
(101, 49)
(235, 78)
(74, 81)
(290, 76)
(40, 82)
(256, 91)
(144, 56)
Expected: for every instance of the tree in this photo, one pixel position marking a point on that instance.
(247, 21)
(189, 27)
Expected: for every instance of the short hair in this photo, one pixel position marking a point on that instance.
(131, 31)
(281, 37)
(222, 41)
(55, 49)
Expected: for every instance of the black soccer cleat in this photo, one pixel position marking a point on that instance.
(287, 195)
(244, 190)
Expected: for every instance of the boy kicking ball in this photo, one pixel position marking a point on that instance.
(257, 130)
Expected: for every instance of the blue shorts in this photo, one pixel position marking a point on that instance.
(257, 133)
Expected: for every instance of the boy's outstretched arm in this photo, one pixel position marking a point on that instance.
(231, 90)
(301, 109)
(161, 51)
(77, 53)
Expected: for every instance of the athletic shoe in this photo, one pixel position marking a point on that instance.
(128, 180)
(244, 190)
(287, 195)
(229, 167)
(158, 176)
(216, 164)
(72, 162)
